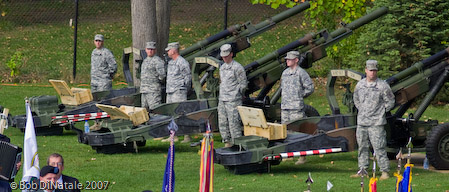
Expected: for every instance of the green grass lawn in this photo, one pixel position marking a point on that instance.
(144, 170)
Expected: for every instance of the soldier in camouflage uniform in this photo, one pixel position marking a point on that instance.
(232, 86)
(373, 98)
(103, 66)
(179, 78)
(152, 74)
(295, 86)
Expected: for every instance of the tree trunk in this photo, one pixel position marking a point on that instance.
(143, 14)
(163, 25)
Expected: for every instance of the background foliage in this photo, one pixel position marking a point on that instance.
(412, 31)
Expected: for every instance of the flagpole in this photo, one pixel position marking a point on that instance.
(31, 157)
(207, 164)
(374, 165)
(168, 184)
(398, 172)
(373, 180)
(362, 172)
(409, 146)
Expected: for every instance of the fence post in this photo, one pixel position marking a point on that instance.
(75, 40)
(225, 14)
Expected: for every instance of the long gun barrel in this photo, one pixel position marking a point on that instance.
(238, 35)
(264, 72)
(425, 77)
(419, 66)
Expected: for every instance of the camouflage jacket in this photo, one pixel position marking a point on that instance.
(179, 76)
(103, 65)
(152, 73)
(372, 101)
(296, 85)
(233, 81)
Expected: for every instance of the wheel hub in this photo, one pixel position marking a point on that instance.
(443, 147)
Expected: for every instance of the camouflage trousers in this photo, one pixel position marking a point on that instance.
(151, 99)
(376, 135)
(96, 86)
(229, 121)
(291, 114)
(177, 96)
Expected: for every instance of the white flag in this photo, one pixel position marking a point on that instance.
(31, 159)
(329, 185)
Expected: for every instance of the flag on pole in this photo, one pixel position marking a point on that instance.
(31, 158)
(398, 173)
(398, 182)
(168, 184)
(207, 162)
(407, 178)
(373, 184)
(373, 180)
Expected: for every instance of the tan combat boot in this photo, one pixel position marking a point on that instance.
(301, 160)
(384, 176)
(355, 175)
(187, 139)
(175, 139)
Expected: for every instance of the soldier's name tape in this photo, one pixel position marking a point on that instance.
(302, 153)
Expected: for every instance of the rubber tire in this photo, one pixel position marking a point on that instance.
(310, 111)
(437, 146)
(141, 143)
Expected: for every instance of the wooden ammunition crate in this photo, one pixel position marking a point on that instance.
(73, 96)
(137, 115)
(254, 123)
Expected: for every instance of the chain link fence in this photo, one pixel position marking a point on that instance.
(32, 12)
(53, 21)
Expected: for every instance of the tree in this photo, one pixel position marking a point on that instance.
(412, 31)
(150, 22)
(163, 24)
(325, 10)
(328, 14)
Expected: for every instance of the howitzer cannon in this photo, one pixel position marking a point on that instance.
(257, 154)
(238, 35)
(423, 78)
(46, 107)
(191, 115)
(265, 72)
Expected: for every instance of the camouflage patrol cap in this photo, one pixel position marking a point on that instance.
(99, 37)
(151, 45)
(371, 65)
(174, 45)
(225, 50)
(292, 55)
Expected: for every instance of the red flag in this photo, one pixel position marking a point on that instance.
(373, 184)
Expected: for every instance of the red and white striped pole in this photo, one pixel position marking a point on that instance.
(302, 153)
(78, 117)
